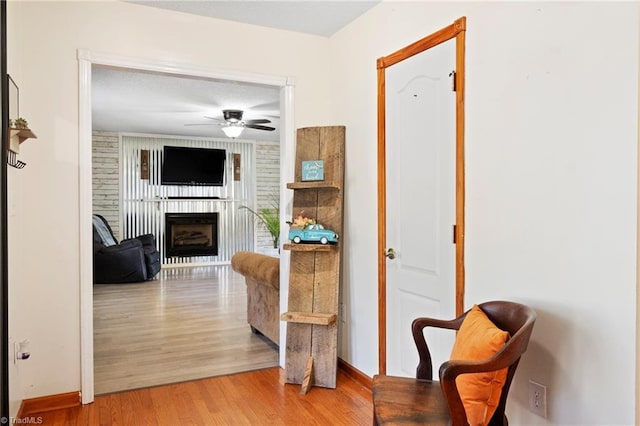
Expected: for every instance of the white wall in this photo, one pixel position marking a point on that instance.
(551, 164)
(551, 172)
(43, 223)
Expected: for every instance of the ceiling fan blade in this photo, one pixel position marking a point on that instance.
(258, 121)
(214, 118)
(259, 127)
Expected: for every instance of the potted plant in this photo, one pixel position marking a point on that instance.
(301, 221)
(270, 218)
(20, 123)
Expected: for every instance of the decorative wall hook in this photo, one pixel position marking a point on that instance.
(13, 161)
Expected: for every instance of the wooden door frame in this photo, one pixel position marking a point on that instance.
(456, 30)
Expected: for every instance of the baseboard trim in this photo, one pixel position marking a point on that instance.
(49, 403)
(355, 374)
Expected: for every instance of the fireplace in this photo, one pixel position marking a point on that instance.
(191, 234)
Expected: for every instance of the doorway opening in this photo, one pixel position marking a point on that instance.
(87, 60)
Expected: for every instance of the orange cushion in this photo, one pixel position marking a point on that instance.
(477, 339)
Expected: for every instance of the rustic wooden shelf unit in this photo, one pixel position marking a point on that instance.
(312, 327)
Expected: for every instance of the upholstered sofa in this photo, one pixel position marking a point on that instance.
(262, 276)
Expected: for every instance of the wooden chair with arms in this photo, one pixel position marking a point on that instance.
(400, 400)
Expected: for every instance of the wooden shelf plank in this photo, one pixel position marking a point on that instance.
(309, 247)
(313, 185)
(309, 318)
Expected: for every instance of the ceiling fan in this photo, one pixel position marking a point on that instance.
(232, 123)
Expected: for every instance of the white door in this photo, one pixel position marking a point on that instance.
(420, 179)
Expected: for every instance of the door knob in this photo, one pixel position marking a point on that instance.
(390, 253)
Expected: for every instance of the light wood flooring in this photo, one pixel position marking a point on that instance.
(189, 323)
(255, 398)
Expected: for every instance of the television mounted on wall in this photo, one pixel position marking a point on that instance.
(193, 166)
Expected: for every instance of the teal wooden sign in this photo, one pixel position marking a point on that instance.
(313, 170)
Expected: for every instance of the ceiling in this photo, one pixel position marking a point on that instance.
(146, 102)
(320, 17)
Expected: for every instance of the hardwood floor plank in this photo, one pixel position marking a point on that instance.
(104, 411)
(167, 413)
(188, 324)
(115, 408)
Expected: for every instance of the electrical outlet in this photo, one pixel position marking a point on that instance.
(538, 399)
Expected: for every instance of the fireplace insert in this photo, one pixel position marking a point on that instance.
(191, 234)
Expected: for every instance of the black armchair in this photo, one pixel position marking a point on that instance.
(131, 260)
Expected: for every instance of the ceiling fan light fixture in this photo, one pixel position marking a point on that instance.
(232, 130)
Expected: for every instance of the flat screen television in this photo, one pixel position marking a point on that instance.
(193, 166)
